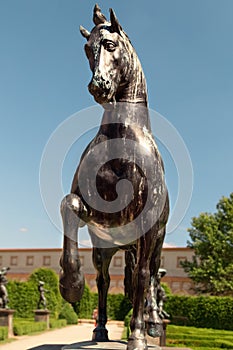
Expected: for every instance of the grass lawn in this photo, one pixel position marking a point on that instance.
(196, 338)
(28, 326)
(199, 338)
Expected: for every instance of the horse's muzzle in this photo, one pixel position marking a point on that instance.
(100, 89)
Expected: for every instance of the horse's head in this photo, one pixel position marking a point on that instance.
(110, 53)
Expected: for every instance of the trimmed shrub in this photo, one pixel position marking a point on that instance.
(68, 314)
(24, 296)
(201, 311)
(127, 324)
(57, 323)
(53, 297)
(27, 327)
(3, 333)
(166, 288)
(49, 277)
(118, 306)
(87, 304)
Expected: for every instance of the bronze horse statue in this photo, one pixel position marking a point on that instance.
(124, 216)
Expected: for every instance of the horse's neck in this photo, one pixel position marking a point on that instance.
(134, 90)
(123, 119)
(130, 106)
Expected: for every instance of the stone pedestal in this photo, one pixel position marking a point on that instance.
(153, 343)
(42, 316)
(6, 320)
(163, 336)
(92, 345)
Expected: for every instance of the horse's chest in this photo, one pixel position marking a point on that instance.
(113, 175)
(103, 179)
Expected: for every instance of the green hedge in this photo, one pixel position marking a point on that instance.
(53, 297)
(84, 308)
(28, 326)
(127, 324)
(68, 314)
(48, 276)
(201, 311)
(23, 327)
(24, 296)
(3, 333)
(166, 288)
(57, 323)
(117, 305)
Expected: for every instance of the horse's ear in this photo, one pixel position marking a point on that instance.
(98, 17)
(84, 32)
(114, 22)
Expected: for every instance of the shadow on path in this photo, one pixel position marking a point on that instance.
(111, 345)
(48, 347)
(90, 345)
(85, 345)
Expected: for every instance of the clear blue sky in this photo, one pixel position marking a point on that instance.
(186, 50)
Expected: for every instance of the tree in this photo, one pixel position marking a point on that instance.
(212, 241)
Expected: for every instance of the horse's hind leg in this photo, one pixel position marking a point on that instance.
(101, 260)
(154, 322)
(130, 262)
(148, 253)
(71, 275)
(140, 285)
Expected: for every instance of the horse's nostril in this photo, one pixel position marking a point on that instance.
(94, 83)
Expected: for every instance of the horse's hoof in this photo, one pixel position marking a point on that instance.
(71, 295)
(154, 330)
(100, 334)
(137, 344)
(71, 292)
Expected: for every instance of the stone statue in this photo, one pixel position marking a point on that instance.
(3, 291)
(118, 189)
(161, 295)
(42, 299)
(155, 296)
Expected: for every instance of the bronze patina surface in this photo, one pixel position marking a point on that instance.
(132, 218)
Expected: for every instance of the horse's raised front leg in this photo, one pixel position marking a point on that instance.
(71, 275)
(101, 260)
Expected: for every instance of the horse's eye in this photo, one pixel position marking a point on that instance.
(109, 46)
